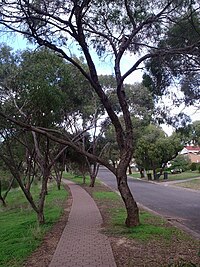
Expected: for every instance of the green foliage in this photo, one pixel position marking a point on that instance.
(193, 166)
(180, 162)
(182, 32)
(191, 133)
(154, 149)
(5, 180)
(45, 88)
(20, 234)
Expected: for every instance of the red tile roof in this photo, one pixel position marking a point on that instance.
(193, 148)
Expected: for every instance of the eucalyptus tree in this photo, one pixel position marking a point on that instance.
(178, 69)
(33, 91)
(154, 149)
(191, 133)
(108, 27)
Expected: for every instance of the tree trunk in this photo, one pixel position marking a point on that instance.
(3, 201)
(84, 178)
(40, 217)
(1, 198)
(141, 173)
(129, 169)
(93, 173)
(155, 177)
(130, 204)
(58, 184)
(92, 180)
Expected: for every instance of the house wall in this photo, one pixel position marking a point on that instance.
(194, 158)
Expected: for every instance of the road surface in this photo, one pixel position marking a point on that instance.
(175, 203)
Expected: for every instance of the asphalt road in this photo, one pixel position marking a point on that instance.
(177, 204)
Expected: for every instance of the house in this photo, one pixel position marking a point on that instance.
(192, 153)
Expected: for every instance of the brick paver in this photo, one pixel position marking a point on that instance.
(81, 243)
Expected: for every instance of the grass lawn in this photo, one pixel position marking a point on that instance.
(182, 176)
(173, 177)
(193, 184)
(78, 179)
(20, 234)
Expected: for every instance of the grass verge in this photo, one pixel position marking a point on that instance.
(78, 179)
(193, 184)
(151, 226)
(155, 243)
(172, 177)
(19, 231)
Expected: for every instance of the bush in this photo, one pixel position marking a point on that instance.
(193, 166)
(199, 168)
(5, 184)
(180, 162)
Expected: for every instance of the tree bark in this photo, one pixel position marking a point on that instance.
(130, 204)
(129, 169)
(40, 217)
(1, 198)
(92, 180)
(141, 173)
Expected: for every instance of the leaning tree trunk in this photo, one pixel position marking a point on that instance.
(130, 204)
(43, 193)
(92, 180)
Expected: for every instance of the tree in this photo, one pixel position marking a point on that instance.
(190, 134)
(154, 149)
(103, 26)
(178, 70)
(33, 91)
(180, 162)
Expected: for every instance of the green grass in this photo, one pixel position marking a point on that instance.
(151, 226)
(78, 179)
(173, 177)
(135, 175)
(19, 231)
(106, 195)
(183, 175)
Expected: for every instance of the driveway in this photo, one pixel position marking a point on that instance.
(176, 204)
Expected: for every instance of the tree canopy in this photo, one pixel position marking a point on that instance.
(154, 149)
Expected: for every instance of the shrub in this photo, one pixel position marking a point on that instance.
(180, 162)
(193, 166)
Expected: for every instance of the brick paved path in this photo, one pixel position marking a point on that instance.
(81, 243)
